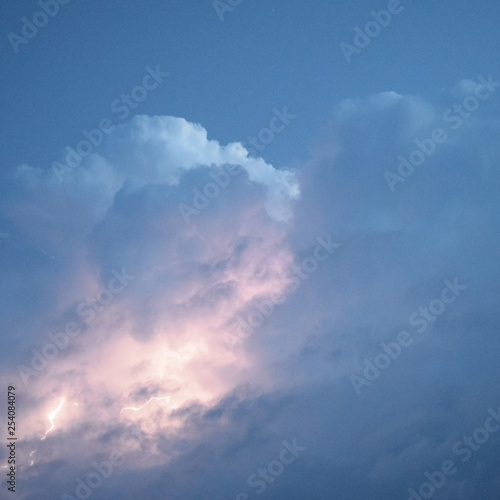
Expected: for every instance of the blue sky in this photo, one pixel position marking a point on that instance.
(238, 263)
(227, 75)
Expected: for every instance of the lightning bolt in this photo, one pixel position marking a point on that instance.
(173, 352)
(51, 418)
(145, 404)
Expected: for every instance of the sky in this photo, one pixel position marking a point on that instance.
(249, 250)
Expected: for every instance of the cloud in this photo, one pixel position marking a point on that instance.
(212, 413)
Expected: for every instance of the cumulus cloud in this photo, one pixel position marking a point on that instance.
(154, 362)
